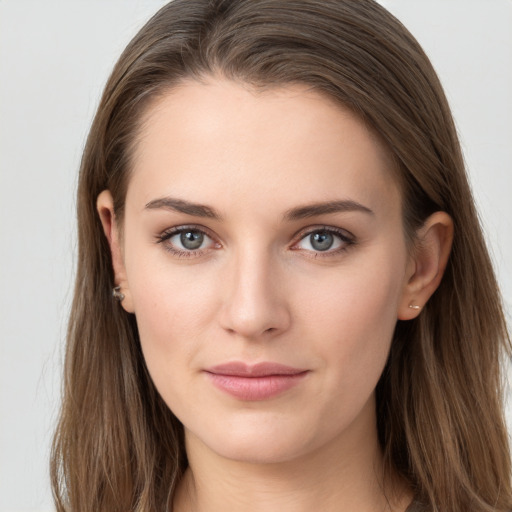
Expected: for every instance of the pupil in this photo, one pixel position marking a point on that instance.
(321, 241)
(191, 239)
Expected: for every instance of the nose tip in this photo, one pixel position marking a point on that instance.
(255, 305)
(253, 323)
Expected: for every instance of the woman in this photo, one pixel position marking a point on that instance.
(283, 298)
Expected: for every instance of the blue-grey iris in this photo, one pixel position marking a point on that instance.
(191, 239)
(321, 240)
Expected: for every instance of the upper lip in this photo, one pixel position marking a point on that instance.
(241, 369)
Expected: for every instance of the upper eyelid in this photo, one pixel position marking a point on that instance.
(191, 227)
(331, 229)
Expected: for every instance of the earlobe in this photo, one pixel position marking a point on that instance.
(427, 264)
(105, 207)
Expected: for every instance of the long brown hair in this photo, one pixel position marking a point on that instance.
(439, 401)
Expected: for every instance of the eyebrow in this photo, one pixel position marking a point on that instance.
(300, 212)
(314, 209)
(187, 207)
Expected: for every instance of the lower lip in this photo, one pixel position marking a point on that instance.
(255, 388)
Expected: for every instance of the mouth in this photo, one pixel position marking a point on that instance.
(261, 381)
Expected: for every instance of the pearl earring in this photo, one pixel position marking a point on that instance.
(116, 293)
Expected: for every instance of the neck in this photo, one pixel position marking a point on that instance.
(343, 475)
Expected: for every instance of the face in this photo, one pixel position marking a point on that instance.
(264, 257)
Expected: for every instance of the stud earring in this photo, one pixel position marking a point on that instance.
(413, 306)
(116, 293)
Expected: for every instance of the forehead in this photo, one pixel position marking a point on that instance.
(218, 139)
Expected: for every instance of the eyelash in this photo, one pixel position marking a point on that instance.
(346, 238)
(168, 234)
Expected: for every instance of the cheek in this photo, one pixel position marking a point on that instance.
(166, 299)
(172, 319)
(353, 319)
(173, 307)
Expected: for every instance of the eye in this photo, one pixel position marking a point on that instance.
(326, 240)
(186, 241)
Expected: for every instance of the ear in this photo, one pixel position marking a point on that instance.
(427, 264)
(105, 207)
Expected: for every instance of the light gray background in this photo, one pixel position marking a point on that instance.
(55, 57)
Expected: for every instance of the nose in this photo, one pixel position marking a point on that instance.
(255, 304)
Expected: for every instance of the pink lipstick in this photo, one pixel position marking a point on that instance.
(254, 382)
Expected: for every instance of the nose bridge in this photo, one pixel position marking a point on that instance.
(255, 303)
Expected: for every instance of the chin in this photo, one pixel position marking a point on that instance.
(259, 442)
(258, 451)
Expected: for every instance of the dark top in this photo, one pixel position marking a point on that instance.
(416, 506)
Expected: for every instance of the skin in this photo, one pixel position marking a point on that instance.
(259, 290)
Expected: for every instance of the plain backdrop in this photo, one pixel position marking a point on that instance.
(55, 57)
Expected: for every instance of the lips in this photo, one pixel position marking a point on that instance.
(261, 381)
